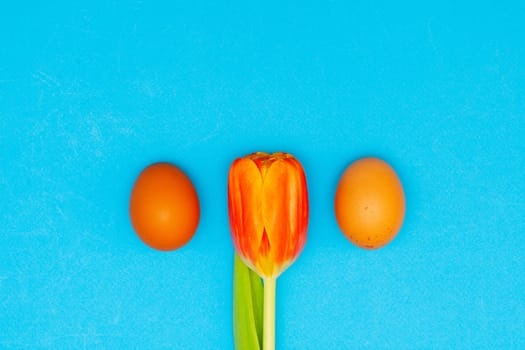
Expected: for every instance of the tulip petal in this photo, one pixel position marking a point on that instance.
(245, 187)
(285, 210)
(265, 262)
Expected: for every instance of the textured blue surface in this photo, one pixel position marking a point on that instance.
(90, 94)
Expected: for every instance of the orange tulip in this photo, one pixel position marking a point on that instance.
(268, 209)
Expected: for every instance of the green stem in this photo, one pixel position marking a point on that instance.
(269, 314)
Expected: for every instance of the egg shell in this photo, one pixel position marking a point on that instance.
(370, 203)
(164, 207)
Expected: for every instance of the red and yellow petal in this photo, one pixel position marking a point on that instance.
(245, 188)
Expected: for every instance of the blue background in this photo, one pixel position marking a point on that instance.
(91, 94)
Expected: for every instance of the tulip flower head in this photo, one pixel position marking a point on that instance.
(268, 211)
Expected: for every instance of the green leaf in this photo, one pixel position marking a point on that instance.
(247, 307)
